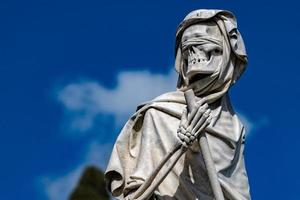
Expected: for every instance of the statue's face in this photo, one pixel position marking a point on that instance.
(201, 49)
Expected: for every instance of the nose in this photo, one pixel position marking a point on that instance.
(197, 55)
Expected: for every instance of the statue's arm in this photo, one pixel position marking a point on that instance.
(190, 126)
(193, 122)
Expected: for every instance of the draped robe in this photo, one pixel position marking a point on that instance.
(151, 133)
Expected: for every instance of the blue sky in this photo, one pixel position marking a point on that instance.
(69, 71)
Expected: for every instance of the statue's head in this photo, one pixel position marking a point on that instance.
(210, 53)
(202, 50)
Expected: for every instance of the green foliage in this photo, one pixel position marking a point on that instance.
(91, 186)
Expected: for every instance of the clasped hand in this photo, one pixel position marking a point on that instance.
(193, 123)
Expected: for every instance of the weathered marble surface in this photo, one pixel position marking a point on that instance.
(210, 57)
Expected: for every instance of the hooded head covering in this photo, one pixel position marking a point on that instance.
(234, 59)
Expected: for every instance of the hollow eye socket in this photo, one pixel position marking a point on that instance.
(184, 51)
(217, 51)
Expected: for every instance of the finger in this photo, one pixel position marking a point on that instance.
(188, 134)
(186, 139)
(181, 129)
(203, 126)
(181, 136)
(202, 119)
(194, 111)
(192, 138)
(199, 114)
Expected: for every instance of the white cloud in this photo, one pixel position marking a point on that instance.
(84, 101)
(60, 187)
(247, 123)
(252, 126)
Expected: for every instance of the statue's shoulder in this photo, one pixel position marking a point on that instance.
(169, 97)
(170, 103)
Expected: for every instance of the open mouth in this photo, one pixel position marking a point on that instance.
(197, 77)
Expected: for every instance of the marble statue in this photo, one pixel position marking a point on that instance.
(188, 144)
